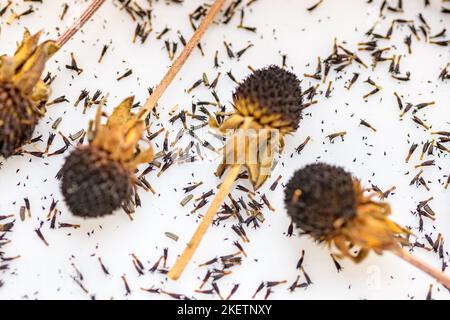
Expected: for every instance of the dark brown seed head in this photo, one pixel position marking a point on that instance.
(93, 185)
(271, 91)
(18, 118)
(320, 198)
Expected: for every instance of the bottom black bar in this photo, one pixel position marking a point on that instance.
(174, 310)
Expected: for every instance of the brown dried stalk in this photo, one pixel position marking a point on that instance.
(193, 244)
(80, 22)
(179, 62)
(431, 271)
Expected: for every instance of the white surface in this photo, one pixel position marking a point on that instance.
(284, 27)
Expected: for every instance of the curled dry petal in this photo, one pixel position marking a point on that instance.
(121, 135)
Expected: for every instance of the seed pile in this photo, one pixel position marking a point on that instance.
(6, 226)
(379, 51)
(142, 14)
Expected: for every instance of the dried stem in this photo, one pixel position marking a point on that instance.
(433, 272)
(81, 21)
(193, 244)
(178, 64)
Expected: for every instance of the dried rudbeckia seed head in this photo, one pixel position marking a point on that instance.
(318, 196)
(273, 97)
(22, 92)
(18, 119)
(268, 106)
(327, 203)
(97, 179)
(93, 185)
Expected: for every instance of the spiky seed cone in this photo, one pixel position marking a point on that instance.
(18, 118)
(318, 197)
(97, 179)
(272, 96)
(93, 185)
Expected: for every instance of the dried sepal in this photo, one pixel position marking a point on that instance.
(26, 48)
(28, 61)
(251, 145)
(262, 116)
(266, 156)
(371, 228)
(121, 135)
(6, 68)
(28, 74)
(40, 92)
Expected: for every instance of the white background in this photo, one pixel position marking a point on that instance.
(284, 27)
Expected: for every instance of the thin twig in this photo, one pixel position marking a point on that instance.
(80, 22)
(431, 271)
(178, 64)
(193, 244)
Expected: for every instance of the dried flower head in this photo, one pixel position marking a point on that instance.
(97, 179)
(22, 92)
(268, 101)
(327, 203)
(273, 97)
